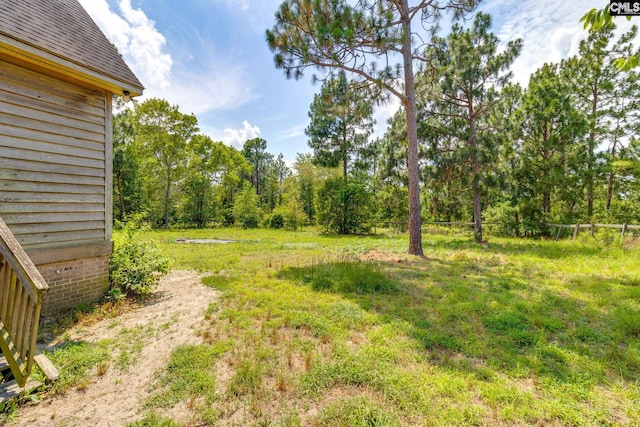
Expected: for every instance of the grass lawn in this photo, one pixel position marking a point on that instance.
(350, 331)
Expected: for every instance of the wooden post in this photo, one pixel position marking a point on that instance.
(559, 230)
(575, 231)
(624, 230)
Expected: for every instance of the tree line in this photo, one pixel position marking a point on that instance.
(562, 149)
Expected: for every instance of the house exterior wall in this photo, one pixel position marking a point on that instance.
(75, 282)
(55, 179)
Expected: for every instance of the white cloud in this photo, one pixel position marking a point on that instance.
(244, 4)
(136, 38)
(382, 113)
(237, 137)
(205, 82)
(550, 29)
(293, 132)
(214, 85)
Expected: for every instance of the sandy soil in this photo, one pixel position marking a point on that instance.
(116, 398)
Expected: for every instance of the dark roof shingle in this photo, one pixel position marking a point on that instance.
(64, 29)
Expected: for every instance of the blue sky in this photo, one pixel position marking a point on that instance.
(210, 57)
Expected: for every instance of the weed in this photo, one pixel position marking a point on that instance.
(307, 361)
(344, 277)
(75, 360)
(83, 384)
(357, 412)
(153, 420)
(247, 379)
(102, 369)
(190, 373)
(283, 382)
(626, 319)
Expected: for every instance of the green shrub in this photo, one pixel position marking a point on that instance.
(293, 213)
(246, 208)
(344, 207)
(276, 221)
(506, 218)
(136, 265)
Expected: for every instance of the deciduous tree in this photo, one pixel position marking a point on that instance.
(126, 186)
(163, 132)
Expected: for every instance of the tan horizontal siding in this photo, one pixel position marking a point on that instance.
(25, 111)
(41, 105)
(51, 132)
(46, 147)
(51, 98)
(41, 187)
(41, 218)
(31, 166)
(63, 208)
(53, 163)
(26, 153)
(55, 227)
(32, 196)
(30, 176)
(41, 152)
(69, 94)
(62, 237)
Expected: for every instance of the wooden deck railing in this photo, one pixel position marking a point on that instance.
(21, 292)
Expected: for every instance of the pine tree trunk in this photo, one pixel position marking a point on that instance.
(345, 157)
(612, 178)
(591, 157)
(477, 213)
(415, 221)
(546, 202)
(477, 206)
(167, 196)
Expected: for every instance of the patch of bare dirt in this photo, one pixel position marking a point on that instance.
(380, 256)
(116, 397)
(377, 255)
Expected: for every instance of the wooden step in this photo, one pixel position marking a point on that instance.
(50, 371)
(47, 367)
(11, 390)
(4, 365)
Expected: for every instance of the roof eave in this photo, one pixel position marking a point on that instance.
(44, 59)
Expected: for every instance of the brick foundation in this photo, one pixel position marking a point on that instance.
(74, 282)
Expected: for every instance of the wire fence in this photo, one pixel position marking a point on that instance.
(574, 229)
(625, 228)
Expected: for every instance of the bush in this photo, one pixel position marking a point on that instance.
(344, 207)
(136, 265)
(275, 221)
(246, 209)
(505, 216)
(293, 214)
